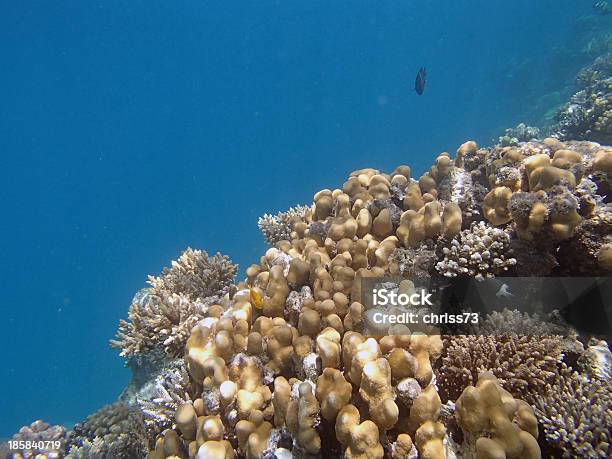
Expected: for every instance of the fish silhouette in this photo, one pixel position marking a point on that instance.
(419, 84)
(504, 292)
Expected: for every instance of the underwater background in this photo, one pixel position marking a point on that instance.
(131, 130)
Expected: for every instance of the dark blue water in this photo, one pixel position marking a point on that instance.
(130, 130)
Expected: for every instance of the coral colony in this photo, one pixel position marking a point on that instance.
(282, 363)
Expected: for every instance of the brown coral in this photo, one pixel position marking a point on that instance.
(523, 364)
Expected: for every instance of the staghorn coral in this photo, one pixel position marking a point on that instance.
(116, 431)
(278, 227)
(196, 275)
(158, 320)
(481, 251)
(576, 414)
(163, 315)
(160, 398)
(523, 364)
(512, 321)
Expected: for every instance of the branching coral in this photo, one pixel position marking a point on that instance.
(163, 315)
(160, 399)
(276, 228)
(523, 364)
(509, 322)
(512, 322)
(576, 414)
(158, 320)
(196, 275)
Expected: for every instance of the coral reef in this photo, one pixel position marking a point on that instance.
(286, 362)
(588, 114)
(283, 363)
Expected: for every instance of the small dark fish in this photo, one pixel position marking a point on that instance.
(419, 84)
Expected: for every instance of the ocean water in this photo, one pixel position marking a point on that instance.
(131, 130)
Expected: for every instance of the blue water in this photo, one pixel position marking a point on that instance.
(130, 130)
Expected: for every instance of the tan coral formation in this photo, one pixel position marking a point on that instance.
(497, 425)
(360, 439)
